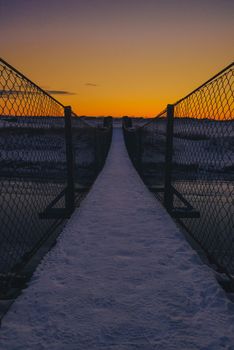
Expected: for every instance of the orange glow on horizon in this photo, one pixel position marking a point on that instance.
(121, 58)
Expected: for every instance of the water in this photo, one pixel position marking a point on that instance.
(214, 230)
(21, 228)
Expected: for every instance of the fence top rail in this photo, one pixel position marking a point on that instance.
(21, 75)
(154, 119)
(30, 81)
(192, 92)
(204, 84)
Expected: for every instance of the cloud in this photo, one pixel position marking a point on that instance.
(60, 92)
(9, 93)
(91, 84)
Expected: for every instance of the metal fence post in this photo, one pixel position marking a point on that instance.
(70, 191)
(168, 190)
(96, 150)
(139, 155)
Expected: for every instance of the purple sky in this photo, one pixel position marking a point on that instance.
(138, 54)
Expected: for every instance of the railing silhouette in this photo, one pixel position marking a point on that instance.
(49, 158)
(186, 157)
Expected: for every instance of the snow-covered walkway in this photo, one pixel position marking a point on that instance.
(121, 277)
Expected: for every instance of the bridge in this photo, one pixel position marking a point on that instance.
(122, 274)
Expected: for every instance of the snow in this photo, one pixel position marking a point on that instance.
(208, 146)
(39, 141)
(121, 276)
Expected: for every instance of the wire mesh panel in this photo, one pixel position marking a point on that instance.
(103, 141)
(91, 145)
(203, 164)
(186, 157)
(33, 165)
(132, 141)
(84, 154)
(153, 148)
(49, 158)
(146, 146)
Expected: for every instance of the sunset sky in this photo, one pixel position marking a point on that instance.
(122, 57)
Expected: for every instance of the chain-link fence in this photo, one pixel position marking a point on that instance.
(187, 158)
(141, 144)
(203, 164)
(90, 146)
(48, 159)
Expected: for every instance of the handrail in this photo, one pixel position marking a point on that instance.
(45, 172)
(30, 81)
(207, 82)
(186, 159)
(157, 116)
(189, 94)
